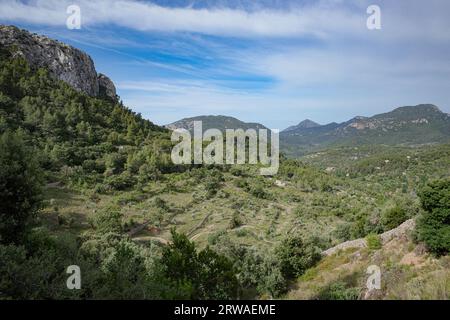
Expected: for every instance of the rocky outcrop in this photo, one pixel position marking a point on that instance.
(106, 86)
(401, 230)
(63, 62)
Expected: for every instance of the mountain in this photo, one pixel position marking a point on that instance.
(214, 122)
(305, 124)
(411, 125)
(63, 62)
(85, 181)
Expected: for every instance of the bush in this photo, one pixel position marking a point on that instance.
(258, 191)
(373, 241)
(115, 162)
(338, 291)
(257, 271)
(393, 217)
(433, 227)
(271, 279)
(20, 194)
(212, 185)
(237, 171)
(296, 256)
(343, 231)
(206, 274)
(121, 182)
(235, 221)
(107, 221)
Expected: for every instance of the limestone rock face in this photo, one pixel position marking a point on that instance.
(63, 62)
(106, 86)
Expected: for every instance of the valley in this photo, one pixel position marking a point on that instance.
(87, 181)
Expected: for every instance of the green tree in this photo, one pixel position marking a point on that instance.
(108, 220)
(205, 274)
(433, 227)
(297, 255)
(339, 291)
(20, 193)
(393, 217)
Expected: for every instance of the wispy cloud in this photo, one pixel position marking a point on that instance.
(318, 20)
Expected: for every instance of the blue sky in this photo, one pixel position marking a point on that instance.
(269, 61)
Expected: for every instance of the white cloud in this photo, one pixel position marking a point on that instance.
(316, 20)
(351, 69)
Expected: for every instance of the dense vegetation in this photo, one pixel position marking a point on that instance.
(86, 181)
(434, 225)
(47, 130)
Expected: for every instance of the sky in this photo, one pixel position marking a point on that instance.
(276, 62)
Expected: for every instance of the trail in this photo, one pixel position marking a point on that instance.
(200, 225)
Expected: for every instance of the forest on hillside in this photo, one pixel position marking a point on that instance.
(86, 181)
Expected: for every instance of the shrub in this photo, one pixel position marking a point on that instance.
(259, 272)
(338, 291)
(258, 191)
(213, 182)
(107, 220)
(148, 172)
(207, 274)
(115, 162)
(20, 194)
(123, 181)
(235, 221)
(343, 231)
(373, 241)
(393, 217)
(271, 279)
(297, 255)
(237, 171)
(433, 227)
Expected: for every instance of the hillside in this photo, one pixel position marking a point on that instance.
(305, 124)
(414, 125)
(86, 181)
(214, 122)
(408, 272)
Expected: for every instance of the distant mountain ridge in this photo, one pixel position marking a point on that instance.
(411, 125)
(214, 122)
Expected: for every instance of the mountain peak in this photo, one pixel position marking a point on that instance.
(426, 108)
(63, 62)
(305, 124)
(214, 122)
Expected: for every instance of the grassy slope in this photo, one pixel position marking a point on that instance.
(407, 271)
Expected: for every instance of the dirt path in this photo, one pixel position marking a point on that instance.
(195, 237)
(200, 225)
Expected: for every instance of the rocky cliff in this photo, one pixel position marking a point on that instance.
(64, 62)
